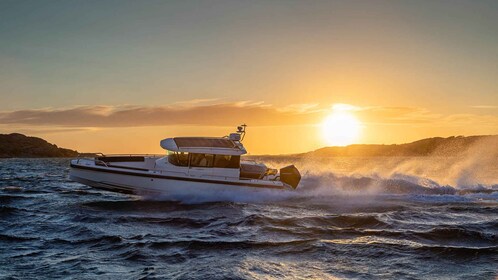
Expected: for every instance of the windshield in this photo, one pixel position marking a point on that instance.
(178, 158)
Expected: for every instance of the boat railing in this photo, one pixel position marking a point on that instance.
(155, 170)
(91, 160)
(95, 156)
(102, 162)
(92, 155)
(88, 155)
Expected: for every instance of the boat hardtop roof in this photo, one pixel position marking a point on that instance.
(204, 145)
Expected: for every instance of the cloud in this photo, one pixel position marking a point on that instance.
(484, 107)
(210, 113)
(223, 114)
(44, 130)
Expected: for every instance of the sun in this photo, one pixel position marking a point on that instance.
(341, 128)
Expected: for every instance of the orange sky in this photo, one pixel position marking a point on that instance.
(271, 130)
(119, 78)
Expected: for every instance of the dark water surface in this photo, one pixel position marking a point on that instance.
(53, 228)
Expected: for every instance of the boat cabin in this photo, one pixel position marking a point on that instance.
(220, 155)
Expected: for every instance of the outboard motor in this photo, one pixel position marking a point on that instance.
(290, 175)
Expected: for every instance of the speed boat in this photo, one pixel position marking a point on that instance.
(193, 166)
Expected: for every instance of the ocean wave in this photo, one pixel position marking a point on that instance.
(457, 235)
(99, 240)
(16, 238)
(200, 245)
(340, 221)
(167, 221)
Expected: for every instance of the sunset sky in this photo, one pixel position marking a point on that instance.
(119, 76)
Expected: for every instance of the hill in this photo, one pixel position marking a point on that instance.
(436, 146)
(19, 145)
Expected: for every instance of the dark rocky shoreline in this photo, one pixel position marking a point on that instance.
(22, 146)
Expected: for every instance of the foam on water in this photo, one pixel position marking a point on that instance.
(468, 175)
(322, 184)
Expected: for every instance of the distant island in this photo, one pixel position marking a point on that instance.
(437, 146)
(19, 145)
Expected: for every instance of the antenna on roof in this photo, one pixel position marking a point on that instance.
(240, 134)
(242, 131)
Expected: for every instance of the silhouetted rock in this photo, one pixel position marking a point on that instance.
(19, 145)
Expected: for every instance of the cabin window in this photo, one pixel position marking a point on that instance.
(218, 161)
(201, 160)
(178, 158)
(226, 161)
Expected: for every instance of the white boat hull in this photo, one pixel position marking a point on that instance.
(152, 183)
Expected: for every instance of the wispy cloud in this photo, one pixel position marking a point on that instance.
(216, 113)
(224, 114)
(199, 101)
(485, 106)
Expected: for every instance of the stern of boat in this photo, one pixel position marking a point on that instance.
(290, 175)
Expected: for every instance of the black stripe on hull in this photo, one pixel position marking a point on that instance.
(175, 178)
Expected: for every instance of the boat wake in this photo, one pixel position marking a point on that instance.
(471, 174)
(327, 185)
(467, 177)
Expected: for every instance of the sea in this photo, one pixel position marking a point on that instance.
(350, 218)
